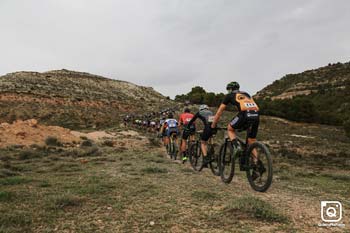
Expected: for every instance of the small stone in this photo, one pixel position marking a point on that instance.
(151, 223)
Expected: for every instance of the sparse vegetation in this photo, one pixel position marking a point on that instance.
(256, 208)
(14, 180)
(347, 127)
(65, 200)
(6, 196)
(86, 143)
(107, 142)
(154, 170)
(73, 100)
(52, 141)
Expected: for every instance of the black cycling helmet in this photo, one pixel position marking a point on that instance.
(170, 115)
(232, 86)
(187, 110)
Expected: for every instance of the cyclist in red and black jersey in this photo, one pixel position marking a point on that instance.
(184, 119)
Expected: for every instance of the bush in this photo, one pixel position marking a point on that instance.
(52, 141)
(29, 154)
(347, 128)
(109, 143)
(86, 143)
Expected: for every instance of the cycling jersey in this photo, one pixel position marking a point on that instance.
(248, 116)
(207, 117)
(242, 100)
(171, 126)
(171, 123)
(185, 118)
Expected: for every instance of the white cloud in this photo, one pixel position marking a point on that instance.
(173, 45)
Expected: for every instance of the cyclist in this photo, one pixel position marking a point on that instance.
(185, 118)
(246, 119)
(170, 126)
(162, 132)
(207, 117)
(153, 125)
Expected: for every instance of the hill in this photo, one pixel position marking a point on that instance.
(73, 99)
(319, 95)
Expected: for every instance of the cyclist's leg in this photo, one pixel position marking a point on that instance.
(167, 137)
(204, 141)
(236, 123)
(231, 132)
(204, 148)
(251, 137)
(183, 143)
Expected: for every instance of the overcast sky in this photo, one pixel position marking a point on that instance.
(173, 45)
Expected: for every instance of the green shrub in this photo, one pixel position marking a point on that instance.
(86, 143)
(6, 196)
(109, 143)
(347, 128)
(29, 154)
(52, 141)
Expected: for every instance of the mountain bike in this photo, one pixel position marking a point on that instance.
(196, 154)
(172, 146)
(189, 142)
(255, 159)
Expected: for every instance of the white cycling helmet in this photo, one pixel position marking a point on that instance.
(203, 107)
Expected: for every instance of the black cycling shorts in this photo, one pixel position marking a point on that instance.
(207, 133)
(249, 121)
(187, 134)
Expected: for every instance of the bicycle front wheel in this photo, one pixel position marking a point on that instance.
(214, 164)
(259, 167)
(227, 163)
(195, 157)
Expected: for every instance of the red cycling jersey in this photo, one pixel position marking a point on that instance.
(185, 118)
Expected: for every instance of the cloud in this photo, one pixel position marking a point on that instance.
(174, 45)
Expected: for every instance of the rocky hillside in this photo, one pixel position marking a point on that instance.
(73, 99)
(334, 77)
(320, 95)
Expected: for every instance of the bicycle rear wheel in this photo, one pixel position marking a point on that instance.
(195, 156)
(227, 163)
(214, 164)
(259, 167)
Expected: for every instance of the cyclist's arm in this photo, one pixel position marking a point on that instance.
(162, 127)
(193, 120)
(180, 123)
(218, 115)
